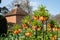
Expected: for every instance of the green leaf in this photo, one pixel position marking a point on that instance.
(16, 26)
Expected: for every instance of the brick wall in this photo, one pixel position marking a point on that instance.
(18, 19)
(11, 19)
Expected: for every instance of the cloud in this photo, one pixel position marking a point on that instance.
(34, 4)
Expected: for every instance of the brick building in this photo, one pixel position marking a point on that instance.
(15, 15)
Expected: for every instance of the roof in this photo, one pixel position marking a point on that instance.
(16, 11)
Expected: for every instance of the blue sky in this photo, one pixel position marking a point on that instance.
(52, 5)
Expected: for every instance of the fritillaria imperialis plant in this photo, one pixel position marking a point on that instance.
(28, 32)
(35, 15)
(43, 13)
(26, 21)
(16, 29)
(35, 24)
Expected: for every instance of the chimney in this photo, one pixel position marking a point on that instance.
(17, 5)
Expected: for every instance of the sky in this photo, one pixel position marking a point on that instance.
(52, 5)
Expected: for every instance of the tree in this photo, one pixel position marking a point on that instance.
(3, 26)
(57, 18)
(0, 9)
(24, 4)
(0, 1)
(4, 10)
